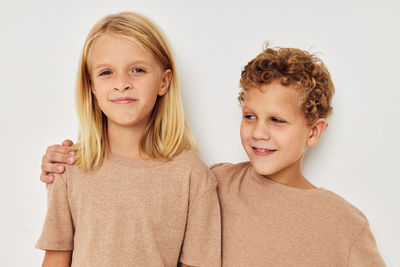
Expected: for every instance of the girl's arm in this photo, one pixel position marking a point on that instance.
(56, 154)
(57, 258)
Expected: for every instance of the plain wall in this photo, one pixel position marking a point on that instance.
(358, 156)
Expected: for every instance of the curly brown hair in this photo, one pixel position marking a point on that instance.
(292, 66)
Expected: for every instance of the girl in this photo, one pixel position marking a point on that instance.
(137, 195)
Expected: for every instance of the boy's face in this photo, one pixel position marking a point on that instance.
(274, 131)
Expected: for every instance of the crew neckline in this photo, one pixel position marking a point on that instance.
(143, 163)
(278, 186)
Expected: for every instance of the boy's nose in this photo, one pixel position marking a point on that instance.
(261, 132)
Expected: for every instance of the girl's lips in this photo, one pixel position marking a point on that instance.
(263, 151)
(123, 100)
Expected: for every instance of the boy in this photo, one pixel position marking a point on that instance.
(271, 214)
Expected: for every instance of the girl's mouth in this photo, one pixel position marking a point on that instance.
(123, 100)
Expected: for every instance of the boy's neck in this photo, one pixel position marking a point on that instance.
(292, 177)
(124, 141)
(296, 182)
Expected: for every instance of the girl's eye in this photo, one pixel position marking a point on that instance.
(277, 120)
(138, 70)
(106, 72)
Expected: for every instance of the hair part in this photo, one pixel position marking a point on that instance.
(292, 66)
(167, 133)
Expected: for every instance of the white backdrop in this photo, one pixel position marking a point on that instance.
(358, 156)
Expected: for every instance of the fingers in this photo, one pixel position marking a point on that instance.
(59, 149)
(56, 154)
(67, 142)
(46, 178)
(58, 157)
(51, 168)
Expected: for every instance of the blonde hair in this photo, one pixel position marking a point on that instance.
(167, 133)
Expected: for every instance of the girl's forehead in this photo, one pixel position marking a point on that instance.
(110, 48)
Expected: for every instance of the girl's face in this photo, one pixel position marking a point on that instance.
(126, 80)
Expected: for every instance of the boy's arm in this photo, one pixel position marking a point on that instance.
(57, 258)
(364, 251)
(56, 154)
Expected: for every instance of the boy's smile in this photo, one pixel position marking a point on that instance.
(274, 131)
(262, 151)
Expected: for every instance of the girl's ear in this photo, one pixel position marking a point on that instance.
(165, 82)
(317, 129)
(92, 89)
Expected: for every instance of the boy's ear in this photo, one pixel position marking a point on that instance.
(317, 129)
(165, 82)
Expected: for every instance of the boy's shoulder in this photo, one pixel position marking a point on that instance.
(333, 204)
(227, 171)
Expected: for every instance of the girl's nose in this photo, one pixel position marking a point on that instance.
(261, 132)
(123, 84)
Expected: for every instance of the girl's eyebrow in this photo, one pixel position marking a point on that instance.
(138, 62)
(101, 66)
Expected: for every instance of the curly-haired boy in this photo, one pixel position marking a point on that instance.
(271, 214)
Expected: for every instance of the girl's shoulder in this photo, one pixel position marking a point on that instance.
(197, 171)
(72, 172)
(189, 159)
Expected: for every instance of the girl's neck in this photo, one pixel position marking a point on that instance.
(124, 141)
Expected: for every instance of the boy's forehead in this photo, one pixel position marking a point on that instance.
(272, 96)
(274, 88)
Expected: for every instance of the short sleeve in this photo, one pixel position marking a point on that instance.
(58, 229)
(364, 251)
(202, 240)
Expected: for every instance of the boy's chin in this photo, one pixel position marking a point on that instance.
(263, 170)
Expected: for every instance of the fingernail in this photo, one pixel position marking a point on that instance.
(71, 153)
(70, 159)
(60, 168)
(50, 179)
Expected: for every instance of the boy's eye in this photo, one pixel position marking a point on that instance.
(106, 72)
(249, 116)
(138, 70)
(274, 119)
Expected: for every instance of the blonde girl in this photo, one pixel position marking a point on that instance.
(137, 196)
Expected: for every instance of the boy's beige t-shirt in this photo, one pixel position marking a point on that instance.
(265, 223)
(135, 213)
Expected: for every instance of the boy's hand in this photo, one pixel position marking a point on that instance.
(56, 154)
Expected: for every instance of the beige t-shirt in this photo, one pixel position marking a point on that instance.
(135, 213)
(265, 223)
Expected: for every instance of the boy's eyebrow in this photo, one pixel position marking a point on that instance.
(245, 107)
